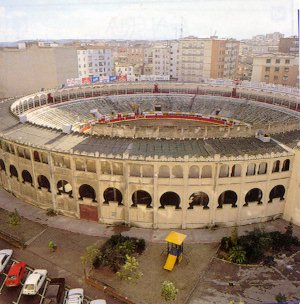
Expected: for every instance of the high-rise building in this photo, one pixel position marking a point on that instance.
(94, 62)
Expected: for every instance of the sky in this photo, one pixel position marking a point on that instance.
(144, 19)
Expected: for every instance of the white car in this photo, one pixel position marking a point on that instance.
(5, 256)
(74, 296)
(98, 302)
(34, 282)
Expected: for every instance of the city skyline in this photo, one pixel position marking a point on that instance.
(144, 19)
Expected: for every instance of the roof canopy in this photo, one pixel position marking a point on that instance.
(175, 238)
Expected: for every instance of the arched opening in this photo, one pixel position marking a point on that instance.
(262, 169)
(206, 172)
(13, 171)
(224, 171)
(277, 192)
(199, 199)
(164, 172)
(44, 182)
(36, 156)
(177, 172)
(194, 172)
(64, 187)
(251, 169)
(141, 197)
(227, 197)
(112, 195)
(171, 199)
(276, 166)
(236, 170)
(253, 195)
(286, 165)
(2, 165)
(87, 191)
(27, 178)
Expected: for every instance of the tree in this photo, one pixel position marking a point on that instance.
(130, 270)
(237, 255)
(90, 254)
(169, 291)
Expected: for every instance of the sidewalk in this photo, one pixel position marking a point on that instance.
(9, 203)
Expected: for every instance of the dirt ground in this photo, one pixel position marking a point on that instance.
(184, 275)
(24, 231)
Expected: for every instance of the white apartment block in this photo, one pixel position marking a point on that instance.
(195, 62)
(231, 58)
(95, 62)
(175, 58)
(161, 60)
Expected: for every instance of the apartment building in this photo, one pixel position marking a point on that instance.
(276, 68)
(95, 62)
(195, 59)
(289, 45)
(29, 68)
(161, 59)
(175, 57)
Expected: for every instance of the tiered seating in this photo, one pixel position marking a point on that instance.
(76, 112)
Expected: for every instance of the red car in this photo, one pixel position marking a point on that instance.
(15, 274)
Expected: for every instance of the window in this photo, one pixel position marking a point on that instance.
(287, 61)
(275, 77)
(266, 77)
(277, 61)
(277, 69)
(285, 77)
(286, 69)
(267, 69)
(268, 61)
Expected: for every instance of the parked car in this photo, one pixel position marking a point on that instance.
(34, 282)
(55, 291)
(5, 256)
(74, 296)
(99, 301)
(15, 274)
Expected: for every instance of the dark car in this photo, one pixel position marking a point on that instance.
(55, 291)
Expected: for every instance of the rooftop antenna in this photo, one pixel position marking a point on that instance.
(181, 28)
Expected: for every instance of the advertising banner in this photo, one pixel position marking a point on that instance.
(104, 79)
(71, 82)
(122, 78)
(95, 79)
(86, 80)
(155, 77)
(113, 78)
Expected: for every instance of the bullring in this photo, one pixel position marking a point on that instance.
(75, 151)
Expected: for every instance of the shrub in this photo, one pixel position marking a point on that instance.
(226, 244)
(51, 212)
(130, 270)
(280, 298)
(113, 253)
(169, 291)
(52, 246)
(237, 255)
(89, 256)
(14, 218)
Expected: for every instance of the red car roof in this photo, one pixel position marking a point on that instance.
(15, 268)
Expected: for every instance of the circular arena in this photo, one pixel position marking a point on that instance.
(165, 155)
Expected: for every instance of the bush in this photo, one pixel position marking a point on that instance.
(169, 291)
(113, 253)
(280, 298)
(237, 255)
(130, 270)
(14, 218)
(51, 212)
(52, 246)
